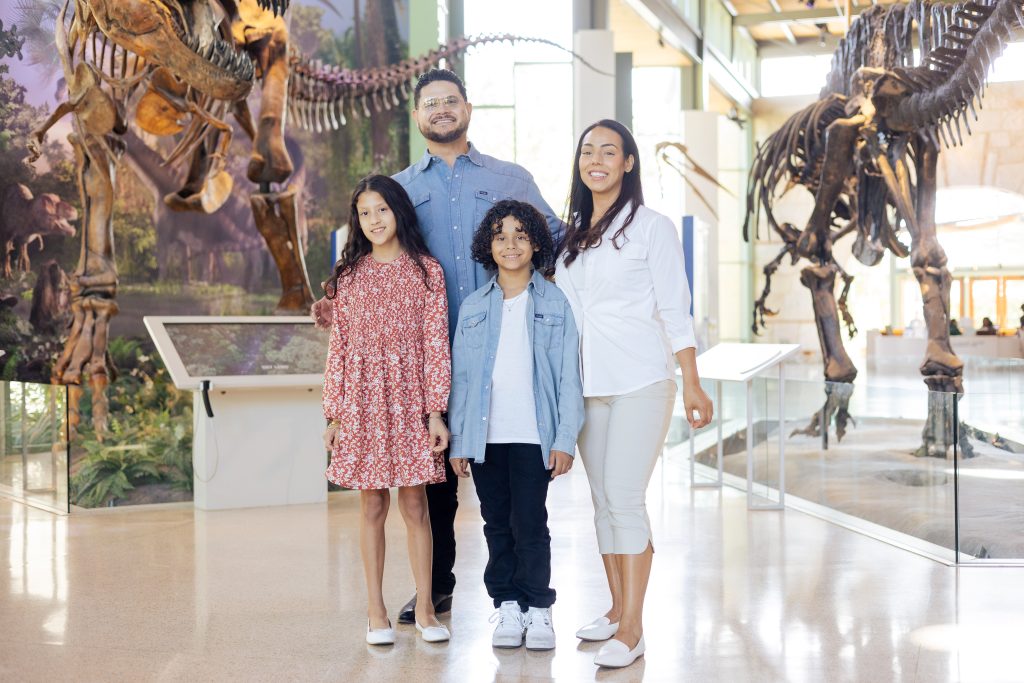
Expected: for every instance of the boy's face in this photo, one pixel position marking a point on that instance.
(511, 248)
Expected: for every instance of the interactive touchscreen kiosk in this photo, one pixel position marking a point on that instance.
(258, 421)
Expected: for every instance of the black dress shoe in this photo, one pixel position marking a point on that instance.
(442, 604)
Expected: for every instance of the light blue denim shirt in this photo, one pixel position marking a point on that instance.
(557, 391)
(452, 201)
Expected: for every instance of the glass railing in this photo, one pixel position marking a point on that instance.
(919, 469)
(34, 444)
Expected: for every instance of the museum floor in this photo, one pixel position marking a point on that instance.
(169, 594)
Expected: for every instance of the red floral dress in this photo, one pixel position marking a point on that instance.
(388, 366)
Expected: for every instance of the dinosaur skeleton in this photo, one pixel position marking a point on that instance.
(182, 66)
(867, 150)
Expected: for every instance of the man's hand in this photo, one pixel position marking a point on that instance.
(322, 313)
(461, 467)
(559, 463)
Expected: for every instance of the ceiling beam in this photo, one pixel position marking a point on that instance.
(813, 16)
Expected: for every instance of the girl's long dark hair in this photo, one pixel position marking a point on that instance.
(409, 236)
(579, 233)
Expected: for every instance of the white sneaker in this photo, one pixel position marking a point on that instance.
(509, 631)
(540, 633)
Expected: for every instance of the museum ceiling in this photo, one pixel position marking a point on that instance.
(794, 21)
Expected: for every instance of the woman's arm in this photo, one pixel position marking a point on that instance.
(694, 397)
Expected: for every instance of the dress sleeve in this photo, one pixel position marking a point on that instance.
(671, 289)
(334, 373)
(437, 361)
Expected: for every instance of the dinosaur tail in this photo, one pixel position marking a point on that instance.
(320, 95)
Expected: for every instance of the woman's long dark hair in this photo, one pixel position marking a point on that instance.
(409, 236)
(579, 233)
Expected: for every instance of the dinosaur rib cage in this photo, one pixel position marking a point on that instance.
(320, 94)
(958, 44)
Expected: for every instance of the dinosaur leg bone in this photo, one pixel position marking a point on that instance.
(277, 220)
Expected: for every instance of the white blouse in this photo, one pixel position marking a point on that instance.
(632, 305)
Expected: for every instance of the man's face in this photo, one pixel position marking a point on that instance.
(442, 114)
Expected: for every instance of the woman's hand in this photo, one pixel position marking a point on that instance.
(331, 436)
(461, 467)
(438, 433)
(559, 462)
(695, 399)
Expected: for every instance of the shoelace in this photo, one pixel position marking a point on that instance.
(533, 615)
(501, 616)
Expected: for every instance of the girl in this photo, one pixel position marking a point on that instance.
(386, 385)
(621, 267)
(515, 411)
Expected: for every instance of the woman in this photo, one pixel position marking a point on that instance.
(620, 265)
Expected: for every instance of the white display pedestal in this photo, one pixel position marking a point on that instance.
(261, 441)
(261, 447)
(741, 363)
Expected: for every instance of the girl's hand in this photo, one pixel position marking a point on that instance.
(438, 433)
(559, 462)
(331, 437)
(461, 467)
(694, 399)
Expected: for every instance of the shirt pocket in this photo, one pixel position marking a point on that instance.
(484, 201)
(548, 330)
(474, 329)
(421, 202)
(632, 264)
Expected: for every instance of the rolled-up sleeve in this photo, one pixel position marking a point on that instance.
(671, 289)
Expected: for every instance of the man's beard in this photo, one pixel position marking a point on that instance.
(445, 138)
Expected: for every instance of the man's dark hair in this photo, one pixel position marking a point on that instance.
(436, 74)
(533, 224)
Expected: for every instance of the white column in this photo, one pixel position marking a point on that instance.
(593, 95)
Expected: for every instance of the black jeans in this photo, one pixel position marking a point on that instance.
(512, 485)
(442, 503)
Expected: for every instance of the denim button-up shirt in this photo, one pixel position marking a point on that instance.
(452, 201)
(557, 391)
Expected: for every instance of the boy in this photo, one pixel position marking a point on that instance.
(515, 410)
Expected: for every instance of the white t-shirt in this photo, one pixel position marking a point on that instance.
(513, 413)
(632, 305)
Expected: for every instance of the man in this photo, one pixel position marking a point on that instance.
(452, 187)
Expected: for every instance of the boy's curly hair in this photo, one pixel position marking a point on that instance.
(534, 225)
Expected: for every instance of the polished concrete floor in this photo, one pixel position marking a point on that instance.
(276, 594)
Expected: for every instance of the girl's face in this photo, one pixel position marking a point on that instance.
(602, 162)
(511, 248)
(376, 219)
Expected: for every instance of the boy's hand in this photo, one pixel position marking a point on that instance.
(560, 462)
(461, 467)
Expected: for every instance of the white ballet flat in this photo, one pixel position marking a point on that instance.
(597, 630)
(434, 634)
(616, 654)
(380, 636)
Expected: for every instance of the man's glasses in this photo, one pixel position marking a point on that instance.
(435, 103)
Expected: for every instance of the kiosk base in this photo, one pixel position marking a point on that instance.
(261, 447)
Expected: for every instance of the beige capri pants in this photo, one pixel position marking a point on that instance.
(620, 442)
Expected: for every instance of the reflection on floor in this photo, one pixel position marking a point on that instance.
(173, 594)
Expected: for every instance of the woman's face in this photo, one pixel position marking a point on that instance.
(376, 219)
(602, 162)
